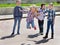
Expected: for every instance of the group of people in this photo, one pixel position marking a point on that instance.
(35, 13)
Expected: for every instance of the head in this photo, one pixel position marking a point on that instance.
(42, 6)
(18, 2)
(50, 6)
(33, 9)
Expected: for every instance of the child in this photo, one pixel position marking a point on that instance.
(50, 22)
(41, 18)
(17, 16)
(30, 18)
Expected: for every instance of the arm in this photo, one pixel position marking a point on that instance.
(29, 13)
(54, 17)
(39, 15)
(22, 10)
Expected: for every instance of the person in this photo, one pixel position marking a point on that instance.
(17, 16)
(50, 22)
(30, 18)
(41, 18)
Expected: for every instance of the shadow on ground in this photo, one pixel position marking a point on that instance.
(33, 36)
(25, 44)
(5, 37)
(41, 41)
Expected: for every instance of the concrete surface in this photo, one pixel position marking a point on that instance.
(28, 36)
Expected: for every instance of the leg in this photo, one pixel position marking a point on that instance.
(19, 21)
(42, 27)
(15, 22)
(52, 29)
(33, 25)
(39, 23)
(48, 26)
(28, 25)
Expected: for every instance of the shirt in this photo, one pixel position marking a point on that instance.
(30, 17)
(51, 15)
(42, 14)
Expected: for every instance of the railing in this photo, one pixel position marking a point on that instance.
(9, 10)
(9, 17)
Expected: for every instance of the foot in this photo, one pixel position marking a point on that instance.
(45, 37)
(34, 28)
(12, 34)
(52, 35)
(52, 38)
(41, 33)
(29, 28)
(18, 33)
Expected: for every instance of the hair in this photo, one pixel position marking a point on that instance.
(34, 8)
(18, 0)
(42, 5)
(51, 4)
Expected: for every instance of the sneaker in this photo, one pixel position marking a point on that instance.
(29, 28)
(41, 33)
(12, 34)
(45, 37)
(52, 38)
(18, 33)
(34, 28)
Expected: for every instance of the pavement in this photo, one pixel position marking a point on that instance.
(28, 36)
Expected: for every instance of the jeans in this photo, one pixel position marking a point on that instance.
(17, 19)
(40, 23)
(28, 24)
(50, 23)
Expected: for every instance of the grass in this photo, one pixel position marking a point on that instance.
(37, 4)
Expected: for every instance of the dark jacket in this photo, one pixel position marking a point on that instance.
(17, 12)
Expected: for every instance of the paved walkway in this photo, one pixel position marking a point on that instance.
(28, 36)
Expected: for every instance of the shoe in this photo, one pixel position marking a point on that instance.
(52, 38)
(41, 33)
(12, 34)
(18, 33)
(34, 28)
(29, 28)
(45, 37)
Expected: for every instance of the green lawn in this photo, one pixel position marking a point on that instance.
(12, 5)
